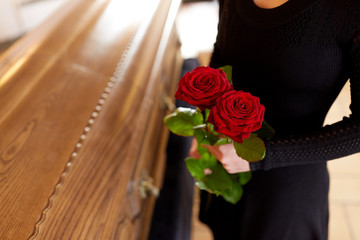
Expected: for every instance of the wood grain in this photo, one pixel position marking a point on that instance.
(81, 120)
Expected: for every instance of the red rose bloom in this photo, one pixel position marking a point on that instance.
(202, 87)
(237, 114)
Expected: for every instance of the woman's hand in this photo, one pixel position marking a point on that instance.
(226, 154)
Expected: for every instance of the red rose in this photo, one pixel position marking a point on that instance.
(202, 87)
(237, 114)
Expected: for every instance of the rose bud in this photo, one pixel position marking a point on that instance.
(202, 87)
(237, 114)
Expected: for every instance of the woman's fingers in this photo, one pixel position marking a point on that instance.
(233, 163)
(193, 153)
(214, 150)
(226, 154)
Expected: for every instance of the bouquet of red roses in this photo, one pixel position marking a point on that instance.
(223, 116)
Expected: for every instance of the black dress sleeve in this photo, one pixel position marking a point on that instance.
(330, 142)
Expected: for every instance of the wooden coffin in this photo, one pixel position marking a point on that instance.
(82, 99)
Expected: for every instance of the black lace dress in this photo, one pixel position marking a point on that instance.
(296, 58)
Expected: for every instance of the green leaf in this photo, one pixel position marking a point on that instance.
(206, 114)
(252, 149)
(228, 71)
(266, 131)
(211, 129)
(202, 186)
(233, 194)
(244, 177)
(183, 120)
(222, 141)
(208, 160)
(195, 167)
(204, 137)
(202, 151)
(219, 179)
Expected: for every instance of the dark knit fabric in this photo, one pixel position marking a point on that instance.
(296, 58)
(173, 212)
(288, 203)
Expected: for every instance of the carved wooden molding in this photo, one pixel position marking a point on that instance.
(81, 120)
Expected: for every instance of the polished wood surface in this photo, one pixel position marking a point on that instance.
(82, 102)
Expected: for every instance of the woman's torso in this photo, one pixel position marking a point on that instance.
(290, 56)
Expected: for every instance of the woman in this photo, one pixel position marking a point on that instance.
(295, 55)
